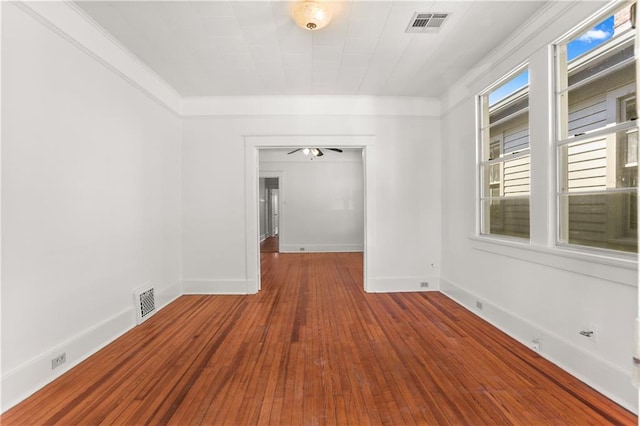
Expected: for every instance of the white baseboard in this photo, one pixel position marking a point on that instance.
(168, 295)
(26, 379)
(320, 248)
(401, 284)
(197, 286)
(23, 381)
(608, 379)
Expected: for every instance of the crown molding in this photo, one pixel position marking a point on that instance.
(310, 105)
(550, 22)
(68, 21)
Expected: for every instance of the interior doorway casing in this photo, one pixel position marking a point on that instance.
(252, 174)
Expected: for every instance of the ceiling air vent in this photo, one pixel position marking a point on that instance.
(426, 22)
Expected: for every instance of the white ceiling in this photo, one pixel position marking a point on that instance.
(243, 48)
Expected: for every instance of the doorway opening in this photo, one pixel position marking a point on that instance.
(323, 208)
(254, 146)
(269, 194)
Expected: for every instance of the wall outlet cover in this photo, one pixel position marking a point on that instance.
(59, 360)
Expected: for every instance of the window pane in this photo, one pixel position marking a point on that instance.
(597, 177)
(517, 177)
(599, 164)
(597, 83)
(510, 136)
(508, 216)
(507, 179)
(590, 39)
(492, 182)
(494, 175)
(608, 220)
(504, 135)
(602, 101)
(509, 88)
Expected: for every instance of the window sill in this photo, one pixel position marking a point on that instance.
(621, 269)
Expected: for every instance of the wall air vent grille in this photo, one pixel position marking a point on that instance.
(426, 22)
(145, 304)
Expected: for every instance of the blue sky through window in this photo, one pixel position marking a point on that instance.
(587, 41)
(511, 86)
(590, 39)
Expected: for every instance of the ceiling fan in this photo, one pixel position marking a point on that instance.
(316, 152)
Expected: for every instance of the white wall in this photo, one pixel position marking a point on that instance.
(534, 290)
(90, 201)
(323, 208)
(402, 186)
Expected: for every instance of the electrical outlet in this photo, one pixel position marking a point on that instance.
(424, 284)
(479, 305)
(301, 248)
(535, 344)
(59, 360)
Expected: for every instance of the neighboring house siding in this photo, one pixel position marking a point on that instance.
(594, 219)
(516, 140)
(587, 165)
(510, 216)
(587, 116)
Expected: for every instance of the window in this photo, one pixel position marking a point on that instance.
(504, 157)
(597, 135)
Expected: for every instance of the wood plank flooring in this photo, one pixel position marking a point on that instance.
(270, 245)
(311, 349)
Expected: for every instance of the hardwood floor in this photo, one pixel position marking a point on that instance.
(270, 245)
(313, 348)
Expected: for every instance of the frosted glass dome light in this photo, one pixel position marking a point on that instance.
(311, 15)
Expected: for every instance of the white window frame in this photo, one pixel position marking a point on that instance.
(482, 221)
(561, 114)
(609, 266)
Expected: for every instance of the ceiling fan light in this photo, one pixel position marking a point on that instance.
(315, 152)
(306, 151)
(311, 15)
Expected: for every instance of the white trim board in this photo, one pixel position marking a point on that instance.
(34, 374)
(320, 248)
(623, 271)
(555, 17)
(403, 284)
(253, 143)
(606, 378)
(310, 105)
(217, 287)
(69, 22)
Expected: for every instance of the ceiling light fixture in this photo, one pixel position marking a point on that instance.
(311, 15)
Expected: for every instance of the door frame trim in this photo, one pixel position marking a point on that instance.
(253, 143)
